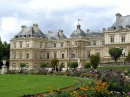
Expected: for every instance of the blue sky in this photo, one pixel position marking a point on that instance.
(54, 15)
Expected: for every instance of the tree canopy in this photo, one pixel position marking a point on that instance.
(4, 50)
(73, 65)
(54, 62)
(94, 60)
(22, 65)
(87, 65)
(43, 65)
(115, 53)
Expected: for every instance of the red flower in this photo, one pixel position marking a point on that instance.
(41, 95)
(85, 95)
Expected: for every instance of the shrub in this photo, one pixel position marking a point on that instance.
(87, 65)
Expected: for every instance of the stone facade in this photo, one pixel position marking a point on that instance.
(32, 47)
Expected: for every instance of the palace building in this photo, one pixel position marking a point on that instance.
(32, 46)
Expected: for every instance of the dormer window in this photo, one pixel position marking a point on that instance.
(127, 26)
(114, 28)
(120, 27)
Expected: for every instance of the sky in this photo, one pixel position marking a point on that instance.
(54, 15)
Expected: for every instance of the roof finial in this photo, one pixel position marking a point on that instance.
(79, 20)
(78, 26)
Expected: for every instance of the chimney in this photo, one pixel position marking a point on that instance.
(103, 29)
(88, 30)
(23, 27)
(118, 15)
(35, 27)
(60, 33)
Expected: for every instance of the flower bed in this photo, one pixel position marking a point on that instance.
(111, 83)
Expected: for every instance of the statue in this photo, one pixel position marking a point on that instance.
(79, 63)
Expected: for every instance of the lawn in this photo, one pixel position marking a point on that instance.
(18, 85)
(121, 68)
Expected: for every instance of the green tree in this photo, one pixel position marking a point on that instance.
(22, 65)
(87, 65)
(54, 62)
(61, 65)
(73, 65)
(115, 53)
(94, 60)
(6, 49)
(1, 50)
(43, 65)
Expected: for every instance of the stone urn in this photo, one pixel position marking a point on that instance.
(4, 67)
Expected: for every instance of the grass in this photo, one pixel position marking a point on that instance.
(18, 85)
(121, 68)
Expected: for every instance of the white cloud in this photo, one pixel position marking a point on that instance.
(10, 26)
(58, 14)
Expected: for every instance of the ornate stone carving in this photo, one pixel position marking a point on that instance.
(123, 30)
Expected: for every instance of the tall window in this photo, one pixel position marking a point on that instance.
(62, 55)
(98, 53)
(14, 45)
(61, 44)
(40, 56)
(14, 66)
(112, 39)
(88, 54)
(72, 54)
(27, 55)
(35, 65)
(123, 38)
(54, 45)
(35, 44)
(45, 45)
(35, 55)
(47, 55)
(103, 42)
(27, 44)
(27, 66)
(14, 55)
(20, 44)
(55, 55)
(94, 42)
(40, 45)
(20, 56)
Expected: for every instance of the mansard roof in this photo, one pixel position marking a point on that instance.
(94, 33)
(78, 32)
(121, 22)
(31, 32)
(55, 36)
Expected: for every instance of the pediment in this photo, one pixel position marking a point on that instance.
(123, 30)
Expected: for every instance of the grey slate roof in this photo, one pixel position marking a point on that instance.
(55, 36)
(123, 22)
(78, 32)
(30, 32)
(94, 33)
